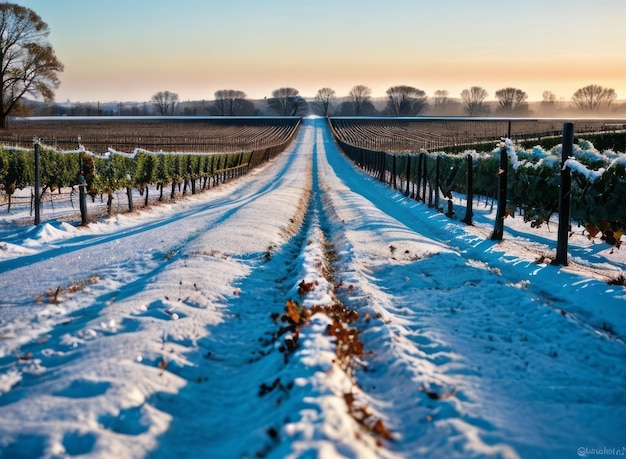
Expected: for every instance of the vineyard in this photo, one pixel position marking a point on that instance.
(189, 155)
(403, 135)
(307, 309)
(200, 135)
(390, 150)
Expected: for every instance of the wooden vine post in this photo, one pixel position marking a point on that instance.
(407, 192)
(424, 176)
(82, 194)
(418, 186)
(382, 166)
(437, 180)
(565, 196)
(469, 209)
(498, 229)
(37, 196)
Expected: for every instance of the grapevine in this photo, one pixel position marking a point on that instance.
(598, 200)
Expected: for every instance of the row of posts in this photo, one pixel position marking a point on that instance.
(564, 211)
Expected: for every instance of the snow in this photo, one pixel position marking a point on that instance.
(584, 153)
(158, 333)
(589, 174)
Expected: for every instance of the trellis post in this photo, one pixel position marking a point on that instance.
(82, 194)
(37, 196)
(437, 180)
(469, 208)
(498, 230)
(424, 176)
(408, 175)
(565, 196)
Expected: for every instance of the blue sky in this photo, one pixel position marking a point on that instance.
(124, 50)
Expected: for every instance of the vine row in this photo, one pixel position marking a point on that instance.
(598, 196)
(105, 174)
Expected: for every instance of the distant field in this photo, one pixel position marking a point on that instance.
(412, 134)
(98, 134)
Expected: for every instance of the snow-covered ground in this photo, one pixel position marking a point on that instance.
(161, 334)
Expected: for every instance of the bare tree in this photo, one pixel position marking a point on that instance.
(548, 102)
(592, 97)
(164, 102)
(445, 105)
(28, 64)
(229, 102)
(323, 101)
(441, 97)
(360, 96)
(473, 99)
(511, 100)
(548, 97)
(405, 101)
(287, 102)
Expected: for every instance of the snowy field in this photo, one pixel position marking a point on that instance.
(168, 333)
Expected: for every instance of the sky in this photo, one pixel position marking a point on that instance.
(121, 50)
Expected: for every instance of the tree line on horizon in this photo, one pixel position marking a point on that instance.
(401, 100)
(29, 67)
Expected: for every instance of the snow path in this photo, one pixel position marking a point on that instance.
(171, 345)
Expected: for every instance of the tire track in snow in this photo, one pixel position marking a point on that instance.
(236, 359)
(282, 395)
(335, 397)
